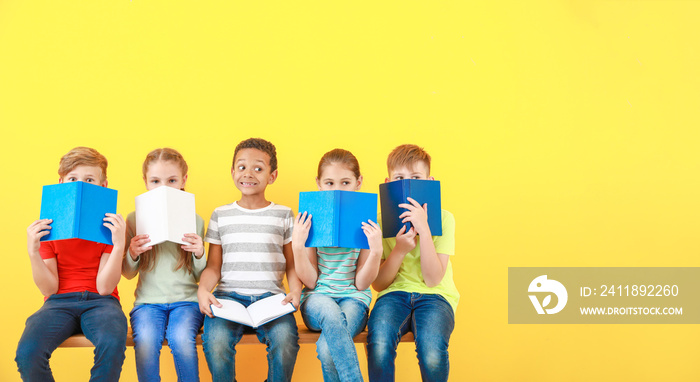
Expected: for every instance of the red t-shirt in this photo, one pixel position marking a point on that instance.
(77, 262)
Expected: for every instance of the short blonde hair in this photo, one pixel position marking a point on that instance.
(82, 156)
(407, 156)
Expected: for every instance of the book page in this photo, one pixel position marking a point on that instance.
(268, 309)
(232, 311)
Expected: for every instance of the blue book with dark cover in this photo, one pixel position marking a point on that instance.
(392, 194)
(337, 216)
(77, 210)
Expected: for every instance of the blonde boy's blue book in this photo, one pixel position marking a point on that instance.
(337, 217)
(392, 194)
(78, 210)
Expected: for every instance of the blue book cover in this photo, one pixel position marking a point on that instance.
(77, 210)
(337, 216)
(392, 194)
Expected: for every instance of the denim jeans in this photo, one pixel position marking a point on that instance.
(100, 318)
(221, 336)
(431, 319)
(339, 320)
(179, 323)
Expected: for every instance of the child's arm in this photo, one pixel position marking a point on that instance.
(137, 246)
(44, 272)
(294, 294)
(305, 260)
(433, 265)
(405, 242)
(368, 262)
(109, 272)
(210, 277)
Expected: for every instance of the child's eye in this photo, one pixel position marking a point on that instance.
(329, 183)
(90, 180)
(346, 183)
(172, 180)
(154, 181)
(72, 179)
(258, 169)
(241, 168)
(399, 178)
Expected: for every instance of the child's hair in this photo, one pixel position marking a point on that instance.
(407, 156)
(341, 156)
(167, 155)
(82, 156)
(259, 144)
(148, 258)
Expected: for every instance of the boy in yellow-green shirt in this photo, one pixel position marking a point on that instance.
(416, 289)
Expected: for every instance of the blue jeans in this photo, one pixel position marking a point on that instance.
(221, 336)
(431, 319)
(179, 323)
(339, 320)
(100, 318)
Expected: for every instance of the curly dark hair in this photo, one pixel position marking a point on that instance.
(259, 144)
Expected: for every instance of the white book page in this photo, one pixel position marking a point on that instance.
(232, 311)
(181, 214)
(269, 308)
(151, 218)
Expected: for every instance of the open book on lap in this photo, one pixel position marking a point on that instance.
(257, 314)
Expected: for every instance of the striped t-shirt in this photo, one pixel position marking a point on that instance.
(336, 274)
(251, 241)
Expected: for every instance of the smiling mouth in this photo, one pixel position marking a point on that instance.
(247, 184)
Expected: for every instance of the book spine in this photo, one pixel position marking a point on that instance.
(336, 218)
(406, 193)
(78, 210)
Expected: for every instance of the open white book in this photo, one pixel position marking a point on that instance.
(257, 313)
(165, 214)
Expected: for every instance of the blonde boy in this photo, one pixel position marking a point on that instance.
(416, 290)
(79, 281)
(250, 251)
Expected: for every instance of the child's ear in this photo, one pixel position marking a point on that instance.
(104, 184)
(318, 183)
(184, 181)
(386, 180)
(60, 180)
(431, 178)
(145, 182)
(272, 178)
(359, 183)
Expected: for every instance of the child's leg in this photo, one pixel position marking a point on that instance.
(338, 320)
(433, 322)
(184, 323)
(104, 324)
(282, 340)
(389, 320)
(45, 330)
(219, 342)
(148, 322)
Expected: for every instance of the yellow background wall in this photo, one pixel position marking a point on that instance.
(565, 133)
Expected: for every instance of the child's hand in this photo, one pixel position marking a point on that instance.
(206, 299)
(374, 236)
(405, 241)
(416, 214)
(138, 246)
(302, 226)
(293, 298)
(35, 231)
(196, 244)
(116, 224)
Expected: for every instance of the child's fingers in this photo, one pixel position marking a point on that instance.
(413, 202)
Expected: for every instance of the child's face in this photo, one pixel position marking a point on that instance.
(419, 170)
(87, 174)
(335, 176)
(251, 171)
(164, 173)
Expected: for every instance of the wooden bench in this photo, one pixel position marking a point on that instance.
(306, 336)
